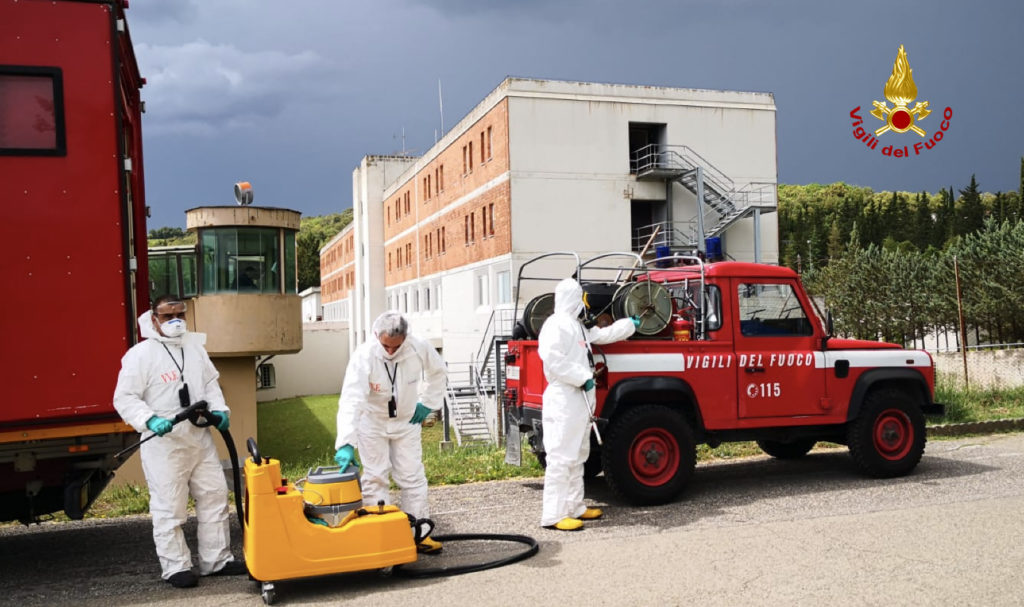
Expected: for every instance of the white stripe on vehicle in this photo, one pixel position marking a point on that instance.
(638, 363)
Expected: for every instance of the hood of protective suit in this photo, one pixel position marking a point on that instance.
(568, 297)
(378, 350)
(148, 331)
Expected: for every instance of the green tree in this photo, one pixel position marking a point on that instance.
(970, 210)
(314, 232)
(922, 223)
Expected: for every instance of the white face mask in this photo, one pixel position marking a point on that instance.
(173, 328)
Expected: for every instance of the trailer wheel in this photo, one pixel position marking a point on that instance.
(887, 439)
(787, 450)
(649, 454)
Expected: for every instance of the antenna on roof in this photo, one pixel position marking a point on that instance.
(440, 104)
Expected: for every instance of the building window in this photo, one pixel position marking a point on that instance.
(465, 219)
(470, 156)
(482, 298)
(246, 259)
(416, 300)
(504, 287)
(483, 222)
(444, 246)
(32, 111)
(440, 178)
(490, 213)
(407, 202)
(464, 161)
(426, 299)
(489, 155)
(482, 148)
(408, 254)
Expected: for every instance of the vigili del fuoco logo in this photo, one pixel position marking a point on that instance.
(901, 91)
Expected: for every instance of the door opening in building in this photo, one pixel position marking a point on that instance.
(642, 135)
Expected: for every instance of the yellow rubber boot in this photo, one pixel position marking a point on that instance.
(592, 513)
(429, 546)
(568, 524)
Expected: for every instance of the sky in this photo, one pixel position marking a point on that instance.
(290, 96)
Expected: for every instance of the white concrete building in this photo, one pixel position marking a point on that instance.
(312, 310)
(541, 166)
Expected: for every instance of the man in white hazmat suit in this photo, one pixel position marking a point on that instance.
(151, 390)
(564, 347)
(392, 383)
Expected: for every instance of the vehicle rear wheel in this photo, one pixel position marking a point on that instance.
(649, 454)
(787, 450)
(887, 439)
(592, 467)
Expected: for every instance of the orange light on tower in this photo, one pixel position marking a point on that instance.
(900, 90)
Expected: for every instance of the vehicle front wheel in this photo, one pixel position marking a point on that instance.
(649, 454)
(887, 439)
(787, 450)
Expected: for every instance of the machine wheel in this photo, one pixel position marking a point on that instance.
(649, 454)
(268, 593)
(787, 450)
(887, 438)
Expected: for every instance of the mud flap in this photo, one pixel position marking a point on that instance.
(513, 445)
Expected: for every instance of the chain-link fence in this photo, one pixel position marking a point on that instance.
(995, 366)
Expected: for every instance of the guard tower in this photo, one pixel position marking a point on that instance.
(247, 302)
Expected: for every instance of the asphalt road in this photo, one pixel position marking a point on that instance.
(751, 532)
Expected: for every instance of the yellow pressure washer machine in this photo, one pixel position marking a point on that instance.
(282, 540)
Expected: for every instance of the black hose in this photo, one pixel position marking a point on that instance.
(233, 453)
(532, 548)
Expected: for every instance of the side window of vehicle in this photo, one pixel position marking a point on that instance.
(771, 310)
(31, 111)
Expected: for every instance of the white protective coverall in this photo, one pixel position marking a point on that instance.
(390, 444)
(184, 460)
(563, 345)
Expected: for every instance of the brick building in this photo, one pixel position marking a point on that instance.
(541, 166)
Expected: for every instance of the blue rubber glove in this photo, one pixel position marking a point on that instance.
(636, 321)
(588, 385)
(159, 425)
(421, 414)
(222, 419)
(317, 521)
(344, 455)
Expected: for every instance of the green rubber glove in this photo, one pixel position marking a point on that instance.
(222, 417)
(636, 321)
(317, 521)
(159, 425)
(344, 455)
(421, 414)
(588, 385)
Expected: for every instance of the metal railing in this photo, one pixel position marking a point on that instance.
(722, 205)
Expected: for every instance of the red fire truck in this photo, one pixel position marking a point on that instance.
(74, 234)
(726, 351)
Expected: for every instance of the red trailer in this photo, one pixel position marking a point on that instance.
(74, 236)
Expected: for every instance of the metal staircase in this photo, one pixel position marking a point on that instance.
(720, 203)
(475, 385)
(466, 410)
